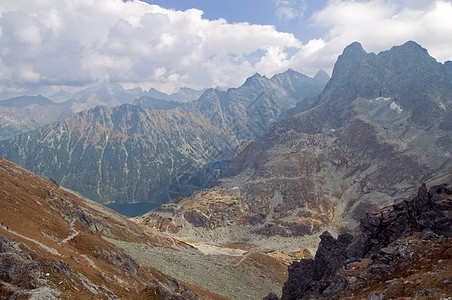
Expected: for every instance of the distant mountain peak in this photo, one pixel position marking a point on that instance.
(353, 49)
(24, 101)
(256, 79)
(322, 76)
(413, 45)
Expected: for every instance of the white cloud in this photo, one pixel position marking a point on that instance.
(54, 43)
(78, 42)
(27, 75)
(378, 25)
(286, 13)
(289, 9)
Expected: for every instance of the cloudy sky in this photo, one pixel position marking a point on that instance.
(47, 45)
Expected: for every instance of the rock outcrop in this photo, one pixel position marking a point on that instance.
(394, 242)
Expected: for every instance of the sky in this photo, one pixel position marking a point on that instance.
(48, 45)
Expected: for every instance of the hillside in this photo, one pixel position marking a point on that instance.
(120, 154)
(52, 244)
(56, 244)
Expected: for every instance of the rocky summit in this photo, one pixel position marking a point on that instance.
(380, 127)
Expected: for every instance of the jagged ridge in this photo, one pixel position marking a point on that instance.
(398, 244)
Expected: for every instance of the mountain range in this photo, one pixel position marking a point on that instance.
(381, 127)
(155, 150)
(26, 113)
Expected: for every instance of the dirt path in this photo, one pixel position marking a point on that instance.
(73, 235)
(41, 245)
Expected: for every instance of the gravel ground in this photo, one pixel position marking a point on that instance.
(218, 273)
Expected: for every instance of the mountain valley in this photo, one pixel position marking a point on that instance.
(289, 187)
(55, 244)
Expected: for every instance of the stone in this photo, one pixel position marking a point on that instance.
(382, 240)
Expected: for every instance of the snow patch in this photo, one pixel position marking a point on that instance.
(395, 107)
(380, 98)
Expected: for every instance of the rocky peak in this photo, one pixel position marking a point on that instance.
(256, 81)
(411, 47)
(322, 76)
(406, 73)
(352, 54)
(290, 78)
(354, 49)
(388, 242)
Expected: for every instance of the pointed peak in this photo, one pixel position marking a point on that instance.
(255, 79)
(354, 48)
(288, 72)
(292, 72)
(210, 91)
(322, 75)
(257, 75)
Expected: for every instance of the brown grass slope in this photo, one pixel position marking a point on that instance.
(53, 244)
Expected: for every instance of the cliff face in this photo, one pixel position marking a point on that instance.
(404, 250)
